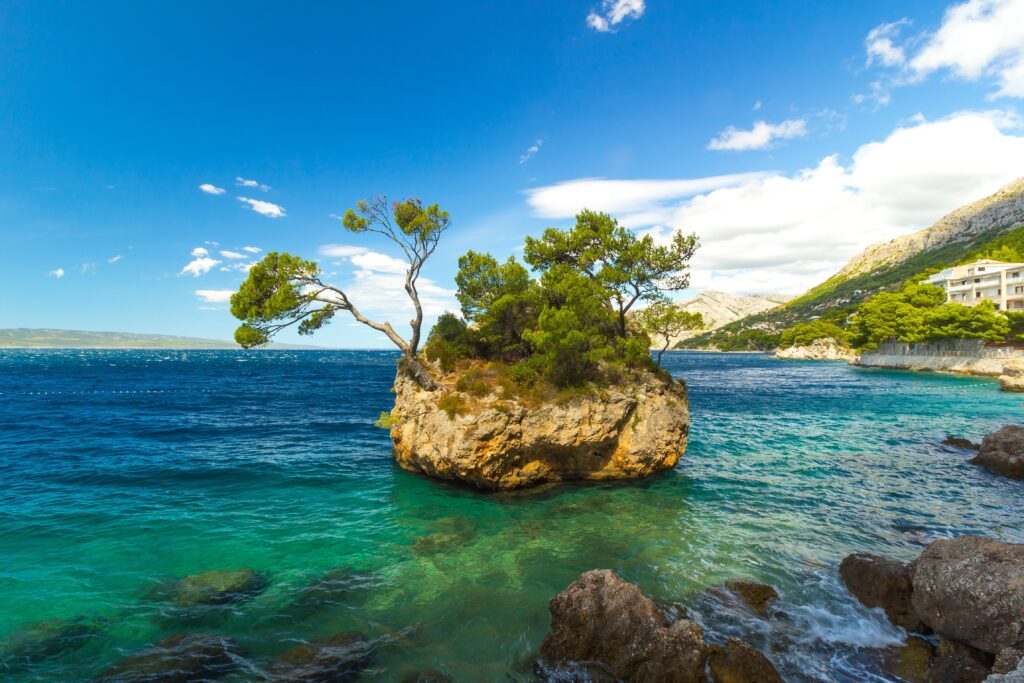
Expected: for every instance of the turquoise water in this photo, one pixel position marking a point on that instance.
(122, 469)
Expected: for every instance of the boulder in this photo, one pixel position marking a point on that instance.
(601, 618)
(970, 589)
(215, 587)
(737, 662)
(881, 582)
(957, 663)
(819, 349)
(1002, 452)
(756, 596)
(911, 661)
(178, 659)
(337, 659)
(1012, 378)
(631, 429)
(1007, 661)
(960, 442)
(1014, 676)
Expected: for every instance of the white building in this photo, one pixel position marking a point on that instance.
(986, 280)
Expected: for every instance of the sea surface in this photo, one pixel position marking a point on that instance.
(120, 470)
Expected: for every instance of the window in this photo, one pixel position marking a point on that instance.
(977, 280)
(981, 270)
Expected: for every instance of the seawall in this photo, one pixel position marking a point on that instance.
(964, 356)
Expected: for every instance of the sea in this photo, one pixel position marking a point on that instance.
(121, 470)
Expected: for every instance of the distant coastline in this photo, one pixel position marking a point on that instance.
(45, 338)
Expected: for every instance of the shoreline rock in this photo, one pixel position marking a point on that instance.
(625, 431)
(1002, 452)
(181, 657)
(1012, 378)
(880, 582)
(819, 349)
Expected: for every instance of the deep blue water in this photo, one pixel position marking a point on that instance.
(122, 469)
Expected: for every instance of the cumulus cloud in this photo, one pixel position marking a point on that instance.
(762, 136)
(267, 209)
(611, 13)
(209, 188)
(530, 151)
(200, 264)
(341, 250)
(245, 182)
(786, 233)
(880, 45)
(57, 273)
(214, 296)
(252, 250)
(228, 254)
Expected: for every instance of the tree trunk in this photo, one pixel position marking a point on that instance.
(662, 353)
(622, 322)
(420, 374)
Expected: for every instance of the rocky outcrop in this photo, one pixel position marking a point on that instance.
(1002, 452)
(1012, 378)
(177, 659)
(971, 590)
(1012, 676)
(957, 663)
(718, 309)
(881, 582)
(911, 661)
(601, 619)
(757, 596)
(819, 349)
(960, 442)
(629, 430)
(736, 662)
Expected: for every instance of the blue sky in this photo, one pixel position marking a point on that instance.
(835, 125)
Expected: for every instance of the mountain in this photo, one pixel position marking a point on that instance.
(77, 339)
(719, 308)
(966, 233)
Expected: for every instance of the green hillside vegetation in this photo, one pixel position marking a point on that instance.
(837, 299)
(57, 339)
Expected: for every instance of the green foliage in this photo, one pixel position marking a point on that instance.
(450, 341)
(803, 334)
(474, 382)
(272, 298)
(732, 340)
(453, 404)
(386, 420)
(664, 320)
(1016, 321)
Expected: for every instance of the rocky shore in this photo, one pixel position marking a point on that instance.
(493, 441)
(819, 349)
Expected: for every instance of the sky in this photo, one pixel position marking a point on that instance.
(151, 152)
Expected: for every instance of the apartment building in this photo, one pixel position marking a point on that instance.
(986, 280)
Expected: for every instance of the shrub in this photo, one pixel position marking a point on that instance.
(452, 404)
(474, 382)
(449, 341)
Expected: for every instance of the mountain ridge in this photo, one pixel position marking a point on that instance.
(51, 338)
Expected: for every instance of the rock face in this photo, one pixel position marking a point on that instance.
(626, 431)
(957, 663)
(1002, 451)
(718, 309)
(819, 349)
(1012, 378)
(881, 582)
(737, 662)
(1014, 676)
(971, 589)
(602, 619)
(178, 659)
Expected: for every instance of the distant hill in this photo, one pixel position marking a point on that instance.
(78, 339)
(969, 231)
(719, 308)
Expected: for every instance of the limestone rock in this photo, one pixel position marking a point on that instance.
(337, 659)
(626, 431)
(215, 587)
(737, 662)
(1012, 378)
(819, 349)
(601, 618)
(971, 589)
(1002, 452)
(718, 309)
(881, 582)
(178, 659)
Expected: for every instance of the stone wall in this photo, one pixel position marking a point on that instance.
(967, 356)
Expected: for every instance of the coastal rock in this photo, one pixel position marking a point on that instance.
(737, 662)
(971, 589)
(1002, 452)
(757, 596)
(1012, 378)
(629, 430)
(601, 618)
(911, 661)
(957, 663)
(178, 659)
(881, 582)
(1013, 676)
(1008, 660)
(43, 640)
(215, 587)
(337, 659)
(819, 349)
(960, 442)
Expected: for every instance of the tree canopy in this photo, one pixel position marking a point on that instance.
(664, 321)
(803, 334)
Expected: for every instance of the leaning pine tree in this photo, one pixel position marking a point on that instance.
(283, 290)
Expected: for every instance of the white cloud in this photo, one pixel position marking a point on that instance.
(757, 105)
(212, 189)
(214, 296)
(762, 136)
(244, 182)
(57, 273)
(87, 268)
(252, 250)
(200, 264)
(530, 151)
(231, 254)
(341, 250)
(636, 202)
(242, 267)
(614, 12)
(786, 233)
(267, 209)
(880, 46)
(114, 259)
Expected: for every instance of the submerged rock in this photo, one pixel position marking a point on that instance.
(960, 442)
(819, 349)
(451, 533)
(426, 676)
(337, 587)
(1002, 452)
(337, 659)
(1012, 378)
(629, 430)
(215, 587)
(178, 659)
(911, 661)
(971, 589)
(737, 662)
(957, 663)
(757, 596)
(45, 640)
(602, 619)
(880, 582)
